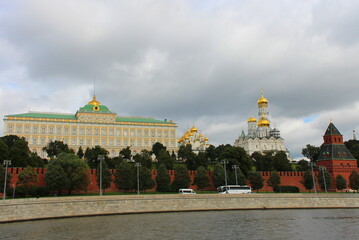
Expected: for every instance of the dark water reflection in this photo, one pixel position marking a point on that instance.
(256, 224)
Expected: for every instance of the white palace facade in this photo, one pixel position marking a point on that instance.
(260, 136)
(92, 125)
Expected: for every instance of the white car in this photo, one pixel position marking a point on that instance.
(186, 191)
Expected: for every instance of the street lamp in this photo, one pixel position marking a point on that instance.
(100, 158)
(311, 166)
(224, 162)
(6, 163)
(325, 183)
(138, 165)
(235, 167)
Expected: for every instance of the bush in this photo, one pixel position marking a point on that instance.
(20, 192)
(286, 189)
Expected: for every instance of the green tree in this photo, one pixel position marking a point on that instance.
(55, 178)
(126, 153)
(353, 147)
(258, 161)
(211, 153)
(340, 182)
(241, 179)
(144, 157)
(106, 176)
(268, 162)
(185, 152)
(311, 152)
(281, 162)
(19, 153)
(163, 179)
(53, 149)
(4, 151)
(303, 165)
(236, 156)
(35, 161)
(202, 178)
(27, 179)
(75, 170)
(10, 140)
(218, 175)
(327, 183)
(256, 180)
(91, 156)
(274, 180)
(2, 177)
(354, 180)
(125, 177)
(307, 180)
(182, 179)
(146, 181)
(80, 153)
(157, 147)
(165, 158)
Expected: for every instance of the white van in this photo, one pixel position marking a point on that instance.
(186, 191)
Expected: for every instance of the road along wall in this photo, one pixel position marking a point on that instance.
(60, 207)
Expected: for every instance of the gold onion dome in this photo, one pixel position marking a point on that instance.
(263, 122)
(193, 129)
(251, 119)
(205, 139)
(262, 100)
(200, 135)
(94, 101)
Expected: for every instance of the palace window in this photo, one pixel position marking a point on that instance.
(9, 128)
(34, 129)
(132, 132)
(146, 143)
(146, 133)
(88, 142)
(132, 143)
(173, 134)
(166, 133)
(73, 141)
(111, 142)
(81, 141)
(118, 131)
(43, 130)
(74, 131)
(82, 131)
(125, 132)
(104, 142)
(34, 141)
(96, 131)
(152, 133)
(58, 130)
(104, 131)
(139, 132)
(159, 133)
(51, 130)
(27, 129)
(111, 131)
(66, 140)
(66, 130)
(138, 143)
(96, 142)
(118, 142)
(125, 143)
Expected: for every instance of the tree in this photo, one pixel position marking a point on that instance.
(55, 178)
(75, 169)
(144, 158)
(354, 180)
(236, 156)
(218, 175)
(146, 181)
(163, 179)
(211, 153)
(307, 180)
(202, 178)
(157, 147)
(53, 149)
(35, 161)
(125, 176)
(281, 162)
(258, 161)
(27, 179)
(2, 177)
(80, 153)
(4, 151)
(274, 180)
(340, 182)
(19, 153)
(126, 153)
(165, 158)
(182, 179)
(303, 165)
(327, 183)
(353, 147)
(311, 152)
(241, 179)
(106, 176)
(255, 180)
(91, 156)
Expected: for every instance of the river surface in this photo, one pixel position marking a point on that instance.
(241, 224)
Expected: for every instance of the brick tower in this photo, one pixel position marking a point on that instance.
(335, 156)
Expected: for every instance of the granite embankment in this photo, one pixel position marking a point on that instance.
(60, 207)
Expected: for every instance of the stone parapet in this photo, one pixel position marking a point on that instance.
(61, 207)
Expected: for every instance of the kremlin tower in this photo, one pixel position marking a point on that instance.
(261, 137)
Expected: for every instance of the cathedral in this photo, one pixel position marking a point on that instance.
(260, 136)
(198, 141)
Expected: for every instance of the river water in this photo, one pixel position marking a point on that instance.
(242, 224)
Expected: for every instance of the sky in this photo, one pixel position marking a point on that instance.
(195, 62)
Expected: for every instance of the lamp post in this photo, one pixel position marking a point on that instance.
(6, 163)
(224, 162)
(235, 167)
(100, 158)
(138, 165)
(311, 166)
(325, 183)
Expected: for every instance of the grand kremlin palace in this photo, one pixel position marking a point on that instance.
(92, 125)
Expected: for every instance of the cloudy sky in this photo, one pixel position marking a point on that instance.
(201, 62)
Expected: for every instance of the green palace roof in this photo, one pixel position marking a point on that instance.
(44, 115)
(89, 108)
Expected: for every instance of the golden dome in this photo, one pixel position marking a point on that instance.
(262, 99)
(251, 119)
(193, 129)
(205, 139)
(186, 137)
(94, 101)
(190, 134)
(200, 135)
(263, 122)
